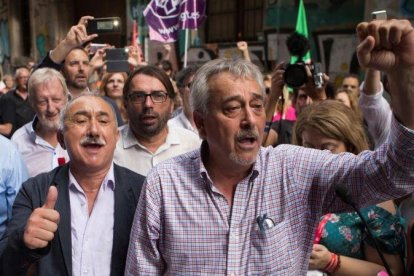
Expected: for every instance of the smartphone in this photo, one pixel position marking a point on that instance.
(379, 15)
(104, 25)
(117, 54)
(117, 66)
(95, 47)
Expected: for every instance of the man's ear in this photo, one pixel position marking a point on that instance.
(60, 138)
(199, 122)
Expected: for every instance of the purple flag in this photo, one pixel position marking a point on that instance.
(166, 17)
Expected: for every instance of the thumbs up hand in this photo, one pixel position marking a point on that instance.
(43, 222)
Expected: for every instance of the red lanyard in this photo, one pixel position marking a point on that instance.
(320, 228)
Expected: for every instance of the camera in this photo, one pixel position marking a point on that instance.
(105, 25)
(295, 74)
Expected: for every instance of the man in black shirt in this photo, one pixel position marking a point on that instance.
(15, 110)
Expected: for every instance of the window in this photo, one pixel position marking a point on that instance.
(232, 20)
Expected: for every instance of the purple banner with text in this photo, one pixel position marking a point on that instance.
(166, 17)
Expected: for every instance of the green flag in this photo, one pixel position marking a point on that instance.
(301, 28)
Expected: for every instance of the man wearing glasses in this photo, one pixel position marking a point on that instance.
(147, 140)
(15, 110)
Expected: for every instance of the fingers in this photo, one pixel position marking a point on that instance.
(364, 51)
(386, 33)
(77, 36)
(318, 247)
(361, 31)
(51, 198)
(84, 19)
(277, 78)
(42, 224)
(38, 238)
(325, 78)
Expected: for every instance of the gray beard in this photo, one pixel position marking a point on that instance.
(241, 161)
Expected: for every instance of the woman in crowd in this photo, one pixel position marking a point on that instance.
(112, 86)
(330, 125)
(348, 98)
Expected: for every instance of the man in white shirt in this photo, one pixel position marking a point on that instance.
(147, 139)
(37, 140)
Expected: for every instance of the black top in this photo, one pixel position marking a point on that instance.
(15, 110)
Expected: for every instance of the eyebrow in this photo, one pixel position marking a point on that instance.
(239, 98)
(88, 114)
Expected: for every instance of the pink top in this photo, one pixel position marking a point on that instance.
(290, 115)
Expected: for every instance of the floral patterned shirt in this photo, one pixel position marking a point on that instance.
(344, 233)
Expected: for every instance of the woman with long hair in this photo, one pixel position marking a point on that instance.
(112, 86)
(341, 246)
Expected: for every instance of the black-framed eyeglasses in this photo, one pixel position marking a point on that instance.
(141, 97)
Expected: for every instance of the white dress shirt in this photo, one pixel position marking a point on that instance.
(131, 154)
(38, 154)
(92, 235)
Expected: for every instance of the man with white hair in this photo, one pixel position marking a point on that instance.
(37, 140)
(75, 219)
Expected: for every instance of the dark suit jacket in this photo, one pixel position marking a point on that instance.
(56, 259)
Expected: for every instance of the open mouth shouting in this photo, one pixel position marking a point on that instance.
(92, 143)
(247, 139)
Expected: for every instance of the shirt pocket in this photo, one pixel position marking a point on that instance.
(270, 249)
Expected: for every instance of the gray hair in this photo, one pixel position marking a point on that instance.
(239, 68)
(64, 111)
(19, 72)
(45, 75)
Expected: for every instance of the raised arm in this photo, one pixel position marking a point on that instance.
(388, 45)
(76, 37)
(376, 110)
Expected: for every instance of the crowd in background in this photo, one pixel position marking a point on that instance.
(157, 125)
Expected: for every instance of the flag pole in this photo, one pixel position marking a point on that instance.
(186, 47)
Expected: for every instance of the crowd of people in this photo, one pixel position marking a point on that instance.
(213, 170)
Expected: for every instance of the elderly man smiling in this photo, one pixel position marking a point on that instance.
(77, 218)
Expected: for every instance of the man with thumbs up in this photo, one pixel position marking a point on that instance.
(77, 218)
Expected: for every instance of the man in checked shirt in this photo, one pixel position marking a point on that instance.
(234, 208)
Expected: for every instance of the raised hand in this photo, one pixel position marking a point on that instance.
(97, 61)
(77, 34)
(386, 45)
(43, 222)
(242, 46)
(76, 37)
